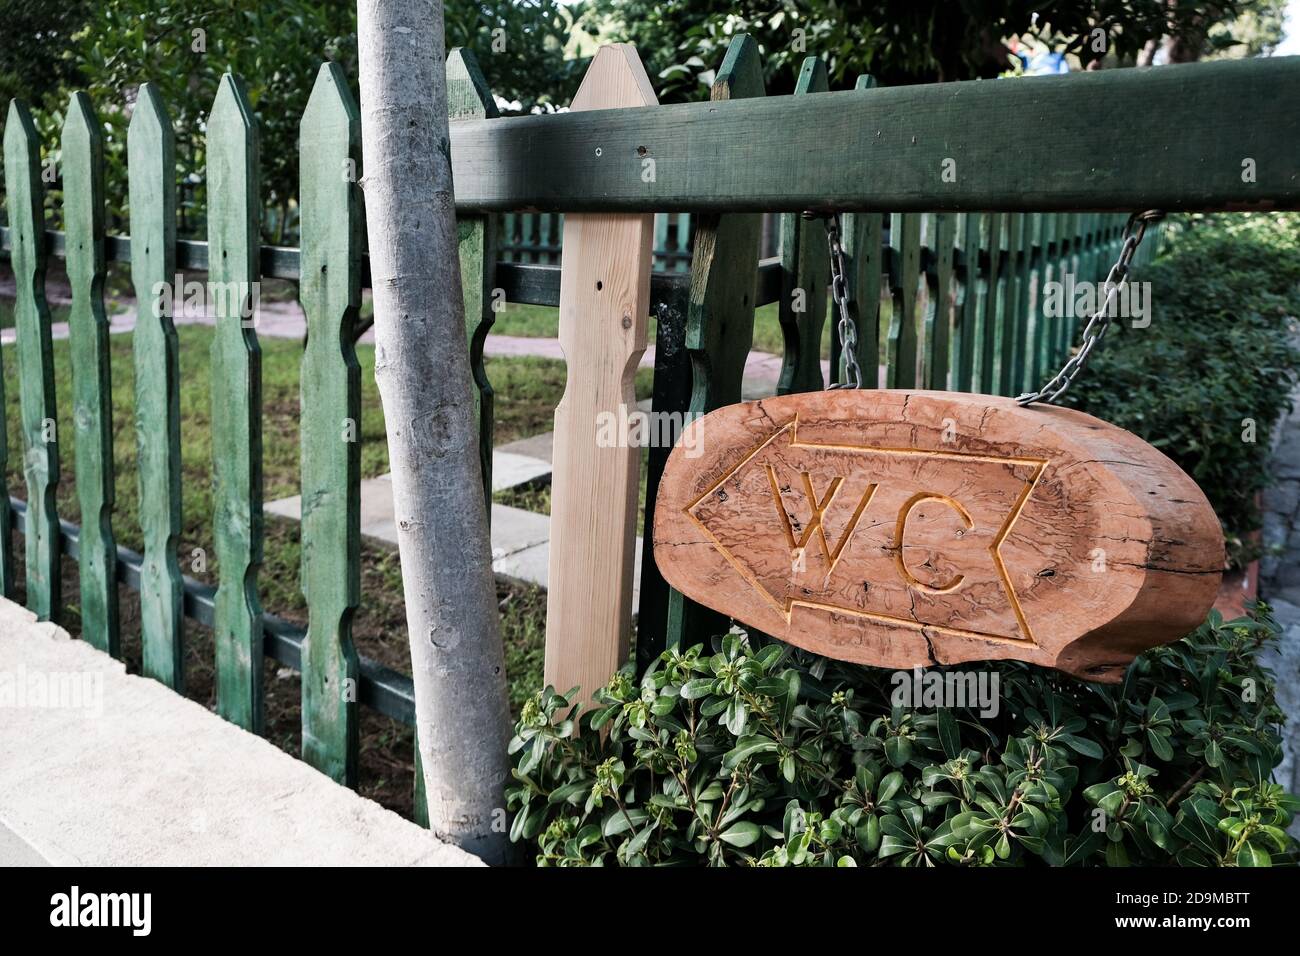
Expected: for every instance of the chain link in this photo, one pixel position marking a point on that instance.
(1134, 231)
(846, 327)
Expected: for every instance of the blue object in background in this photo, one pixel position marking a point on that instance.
(1045, 64)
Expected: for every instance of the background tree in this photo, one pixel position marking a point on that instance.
(48, 49)
(898, 41)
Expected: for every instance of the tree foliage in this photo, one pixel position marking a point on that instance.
(897, 41)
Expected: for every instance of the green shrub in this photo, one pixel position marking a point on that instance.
(1217, 355)
(771, 756)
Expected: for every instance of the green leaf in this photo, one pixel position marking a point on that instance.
(1252, 855)
(898, 750)
(746, 748)
(741, 834)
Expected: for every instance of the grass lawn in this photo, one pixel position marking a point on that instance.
(527, 390)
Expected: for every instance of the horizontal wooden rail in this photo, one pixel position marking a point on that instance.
(1171, 137)
(380, 687)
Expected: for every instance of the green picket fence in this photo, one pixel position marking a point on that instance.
(949, 299)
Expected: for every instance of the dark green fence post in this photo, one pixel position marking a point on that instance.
(995, 283)
(942, 233)
(805, 272)
(92, 408)
(35, 362)
(719, 330)
(233, 264)
(904, 340)
(862, 239)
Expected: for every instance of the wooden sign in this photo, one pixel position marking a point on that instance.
(906, 528)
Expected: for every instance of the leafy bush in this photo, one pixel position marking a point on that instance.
(769, 756)
(1219, 354)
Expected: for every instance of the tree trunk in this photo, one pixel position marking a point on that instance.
(422, 369)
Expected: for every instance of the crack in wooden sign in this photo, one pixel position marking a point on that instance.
(904, 528)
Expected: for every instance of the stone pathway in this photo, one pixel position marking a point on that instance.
(1280, 585)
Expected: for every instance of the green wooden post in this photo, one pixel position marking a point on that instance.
(92, 410)
(939, 310)
(995, 281)
(35, 361)
(862, 235)
(968, 308)
(805, 269)
(1031, 231)
(469, 98)
(1012, 326)
(151, 167)
(329, 155)
(233, 253)
(719, 326)
(904, 343)
(1044, 326)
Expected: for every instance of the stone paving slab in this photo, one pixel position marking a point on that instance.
(103, 768)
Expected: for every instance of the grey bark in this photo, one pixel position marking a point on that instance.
(422, 369)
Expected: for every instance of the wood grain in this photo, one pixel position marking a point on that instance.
(905, 528)
(604, 303)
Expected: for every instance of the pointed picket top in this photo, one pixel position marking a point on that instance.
(615, 79)
(331, 101)
(468, 95)
(151, 173)
(865, 82)
(83, 193)
(232, 161)
(813, 77)
(22, 149)
(741, 73)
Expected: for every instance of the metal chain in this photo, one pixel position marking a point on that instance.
(1134, 231)
(846, 327)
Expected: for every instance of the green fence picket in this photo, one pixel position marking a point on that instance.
(805, 272)
(233, 254)
(151, 169)
(939, 310)
(330, 292)
(92, 408)
(35, 361)
(968, 307)
(995, 282)
(904, 341)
